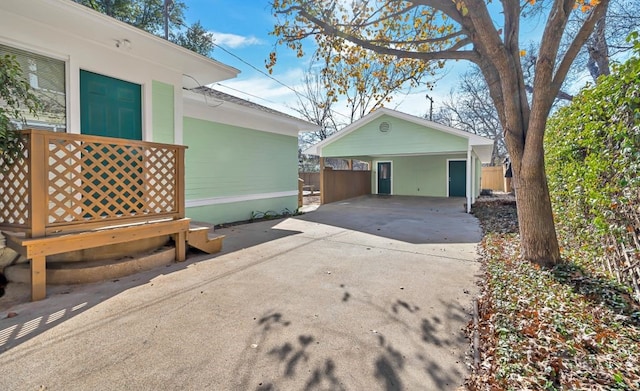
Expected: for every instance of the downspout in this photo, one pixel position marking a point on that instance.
(468, 174)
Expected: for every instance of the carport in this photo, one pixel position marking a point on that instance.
(407, 156)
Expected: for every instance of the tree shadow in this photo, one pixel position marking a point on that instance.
(425, 338)
(324, 375)
(297, 354)
(599, 290)
(406, 218)
(389, 366)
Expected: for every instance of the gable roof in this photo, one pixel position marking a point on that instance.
(474, 140)
(105, 32)
(234, 99)
(236, 111)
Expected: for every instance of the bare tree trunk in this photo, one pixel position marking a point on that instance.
(538, 240)
(598, 49)
(539, 243)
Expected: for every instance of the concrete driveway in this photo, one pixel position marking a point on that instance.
(369, 294)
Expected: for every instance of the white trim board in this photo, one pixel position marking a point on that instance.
(238, 198)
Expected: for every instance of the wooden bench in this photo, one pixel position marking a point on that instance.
(37, 249)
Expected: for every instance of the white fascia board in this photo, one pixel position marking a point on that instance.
(103, 31)
(483, 152)
(473, 139)
(221, 111)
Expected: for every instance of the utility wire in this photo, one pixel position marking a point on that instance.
(298, 93)
(258, 69)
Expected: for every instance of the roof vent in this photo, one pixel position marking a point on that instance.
(384, 127)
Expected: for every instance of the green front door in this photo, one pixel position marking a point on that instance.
(384, 178)
(457, 178)
(110, 107)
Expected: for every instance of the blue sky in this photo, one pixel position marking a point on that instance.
(242, 28)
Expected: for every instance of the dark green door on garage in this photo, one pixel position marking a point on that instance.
(384, 178)
(110, 107)
(457, 178)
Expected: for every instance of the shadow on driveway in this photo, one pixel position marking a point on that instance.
(417, 220)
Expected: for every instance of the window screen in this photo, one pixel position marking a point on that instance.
(46, 77)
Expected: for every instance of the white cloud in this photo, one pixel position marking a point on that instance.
(235, 41)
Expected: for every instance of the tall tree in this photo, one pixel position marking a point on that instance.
(469, 108)
(315, 104)
(608, 39)
(368, 80)
(196, 38)
(148, 15)
(485, 33)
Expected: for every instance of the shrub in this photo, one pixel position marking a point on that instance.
(593, 159)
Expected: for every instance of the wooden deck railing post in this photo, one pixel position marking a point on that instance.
(180, 188)
(180, 238)
(38, 209)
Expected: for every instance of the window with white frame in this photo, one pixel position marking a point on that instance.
(47, 78)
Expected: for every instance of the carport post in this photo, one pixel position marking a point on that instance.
(468, 179)
(322, 192)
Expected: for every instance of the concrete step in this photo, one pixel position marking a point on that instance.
(64, 273)
(200, 237)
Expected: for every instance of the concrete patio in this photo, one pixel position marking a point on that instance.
(367, 294)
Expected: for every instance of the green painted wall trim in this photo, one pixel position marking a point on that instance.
(163, 112)
(241, 211)
(403, 138)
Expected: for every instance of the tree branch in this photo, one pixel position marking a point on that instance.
(331, 30)
(577, 43)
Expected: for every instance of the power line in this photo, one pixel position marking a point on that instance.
(258, 69)
(298, 94)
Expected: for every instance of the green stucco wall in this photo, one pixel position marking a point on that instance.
(163, 112)
(417, 175)
(225, 161)
(404, 138)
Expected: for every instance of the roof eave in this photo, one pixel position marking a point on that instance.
(90, 25)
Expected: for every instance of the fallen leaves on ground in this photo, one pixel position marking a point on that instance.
(561, 329)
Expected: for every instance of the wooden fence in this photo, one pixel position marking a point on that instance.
(311, 179)
(493, 178)
(338, 185)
